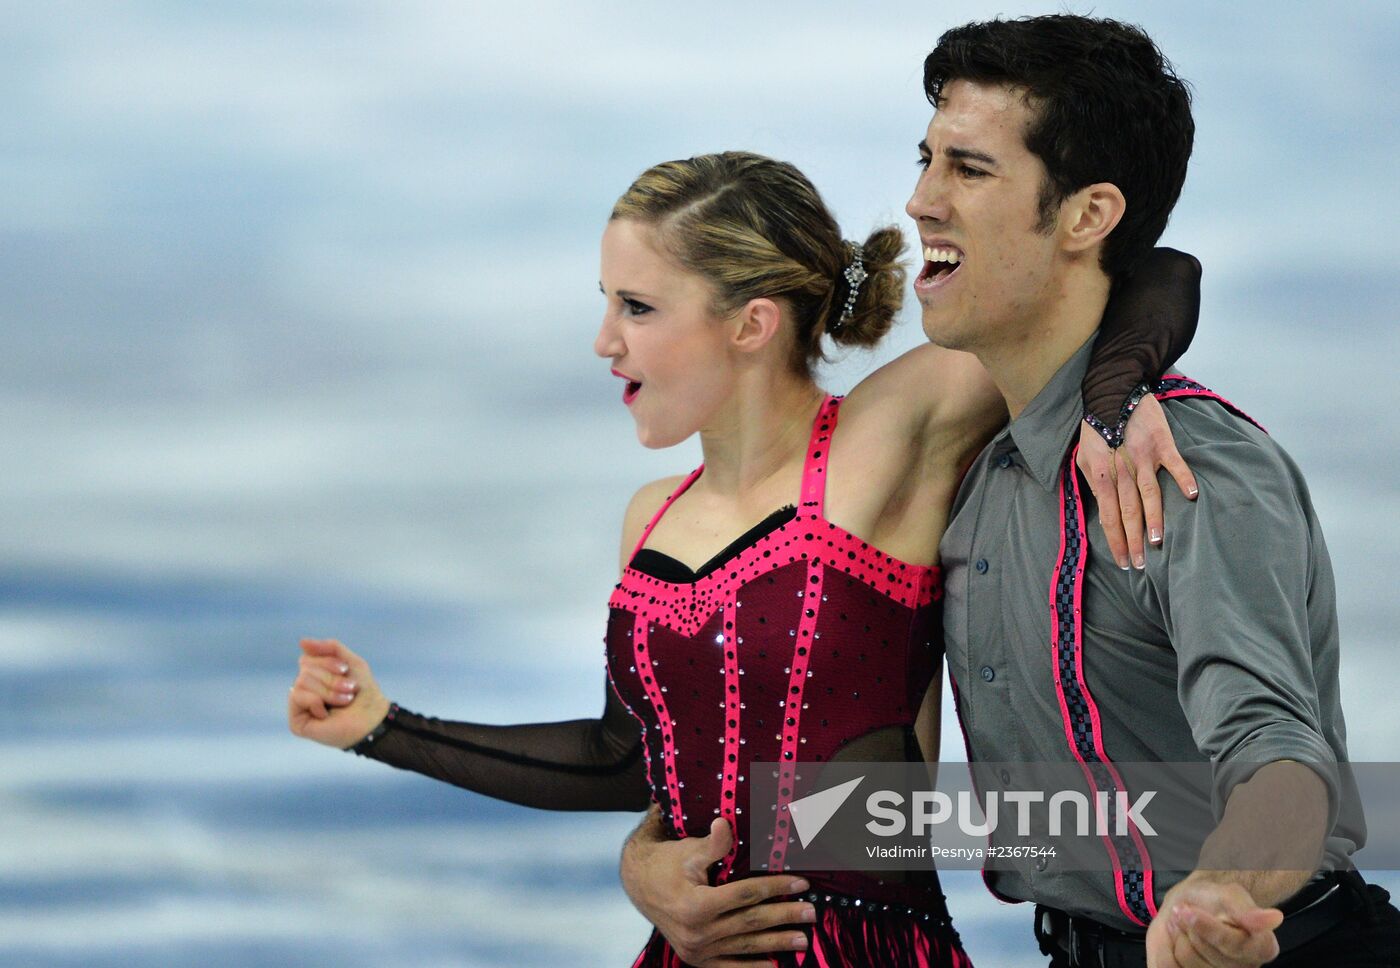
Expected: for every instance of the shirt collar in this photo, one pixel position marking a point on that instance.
(1046, 428)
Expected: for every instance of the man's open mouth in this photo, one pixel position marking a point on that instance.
(940, 263)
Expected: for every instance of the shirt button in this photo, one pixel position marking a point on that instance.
(1005, 776)
(982, 566)
(1004, 461)
(988, 673)
(1041, 862)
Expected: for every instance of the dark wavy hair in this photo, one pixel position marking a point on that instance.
(1106, 107)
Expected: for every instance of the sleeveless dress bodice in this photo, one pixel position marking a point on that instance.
(790, 649)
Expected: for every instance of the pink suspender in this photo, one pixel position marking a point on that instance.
(818, 452)
(813, 471)
(1132, 864)
(685, 485)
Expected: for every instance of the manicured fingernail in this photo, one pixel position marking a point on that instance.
(1139, 562)
(346, 697)
(343, 668)
(1123, 564)
(1191, 492)
(809, 914)
(799, 942)
(1155, 536)
(798, 886)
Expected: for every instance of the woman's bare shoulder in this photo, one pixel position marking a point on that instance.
(644, 504)
(926, 396)
(926, 385)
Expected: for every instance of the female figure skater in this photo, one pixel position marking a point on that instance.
(814, 634)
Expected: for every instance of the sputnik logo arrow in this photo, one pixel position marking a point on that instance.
(811, 813)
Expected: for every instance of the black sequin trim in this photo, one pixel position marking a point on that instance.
(1113, 436)
(362, 747)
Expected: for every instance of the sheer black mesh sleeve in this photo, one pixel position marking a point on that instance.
(586, 764)
(1148, 323)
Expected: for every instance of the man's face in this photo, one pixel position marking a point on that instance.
(988, 271)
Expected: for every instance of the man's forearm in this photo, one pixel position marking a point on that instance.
(648, 833)
(668, 882)
(1270, 838)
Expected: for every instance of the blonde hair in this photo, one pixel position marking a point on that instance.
(753, 228)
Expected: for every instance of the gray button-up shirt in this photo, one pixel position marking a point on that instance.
(1224, 649)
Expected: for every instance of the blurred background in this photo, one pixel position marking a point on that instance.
(297, 304)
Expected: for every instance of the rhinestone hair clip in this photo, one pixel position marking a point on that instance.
(855, 274)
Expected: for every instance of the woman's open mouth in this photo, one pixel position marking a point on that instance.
(941, 263)
(630, 391)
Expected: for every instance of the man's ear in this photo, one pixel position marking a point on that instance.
(1087, 216)
(755, 325)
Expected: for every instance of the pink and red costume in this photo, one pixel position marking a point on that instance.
(803, 644)
(798, 643)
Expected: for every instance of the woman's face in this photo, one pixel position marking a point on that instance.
(661, 336)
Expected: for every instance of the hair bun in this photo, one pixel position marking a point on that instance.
(878, 295)
(755, 228)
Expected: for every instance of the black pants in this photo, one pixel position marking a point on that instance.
(1368, 937)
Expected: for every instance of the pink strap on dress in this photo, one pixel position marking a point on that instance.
(813, 470)
(685, 485)
(818, 451)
